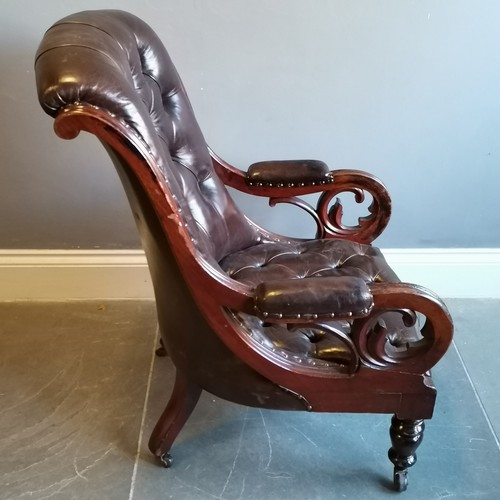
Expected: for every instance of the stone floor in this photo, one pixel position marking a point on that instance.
(80, 390)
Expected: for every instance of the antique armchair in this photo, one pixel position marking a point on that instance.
(256, 318)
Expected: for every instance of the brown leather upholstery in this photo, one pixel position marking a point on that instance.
(117, 63)
(248, 315)
(305, 259)
(288, 173)
(313, 298)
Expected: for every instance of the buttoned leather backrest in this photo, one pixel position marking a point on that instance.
(113, 60)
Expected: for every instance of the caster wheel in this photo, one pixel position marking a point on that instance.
(401, 479)
(161, 352)
(166, 460)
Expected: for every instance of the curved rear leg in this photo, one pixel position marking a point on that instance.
(182, 402)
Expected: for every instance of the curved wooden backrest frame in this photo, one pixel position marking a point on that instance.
(226, 294)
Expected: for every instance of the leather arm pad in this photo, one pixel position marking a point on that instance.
(288, 173)
(313, 298)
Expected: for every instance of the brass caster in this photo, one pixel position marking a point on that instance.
(161, 351)
(400, 479)
(166, 460)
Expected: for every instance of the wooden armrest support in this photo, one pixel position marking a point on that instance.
(322, 298)
(382, 348)
(262, 180)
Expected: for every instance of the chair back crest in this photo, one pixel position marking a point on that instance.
(114, 61)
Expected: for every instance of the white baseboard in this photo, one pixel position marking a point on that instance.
(123, 274)
(450, 272)
(74, 274)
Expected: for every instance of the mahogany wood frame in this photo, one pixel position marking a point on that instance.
(402, 387)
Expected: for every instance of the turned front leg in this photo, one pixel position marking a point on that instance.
(406, 436)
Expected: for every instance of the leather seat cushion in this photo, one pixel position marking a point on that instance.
(310, 346)
(305, 259)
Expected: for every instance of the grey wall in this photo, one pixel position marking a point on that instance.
(408, 90)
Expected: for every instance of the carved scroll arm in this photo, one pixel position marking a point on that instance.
(394, 345)
(394, 326)
(285, 181)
